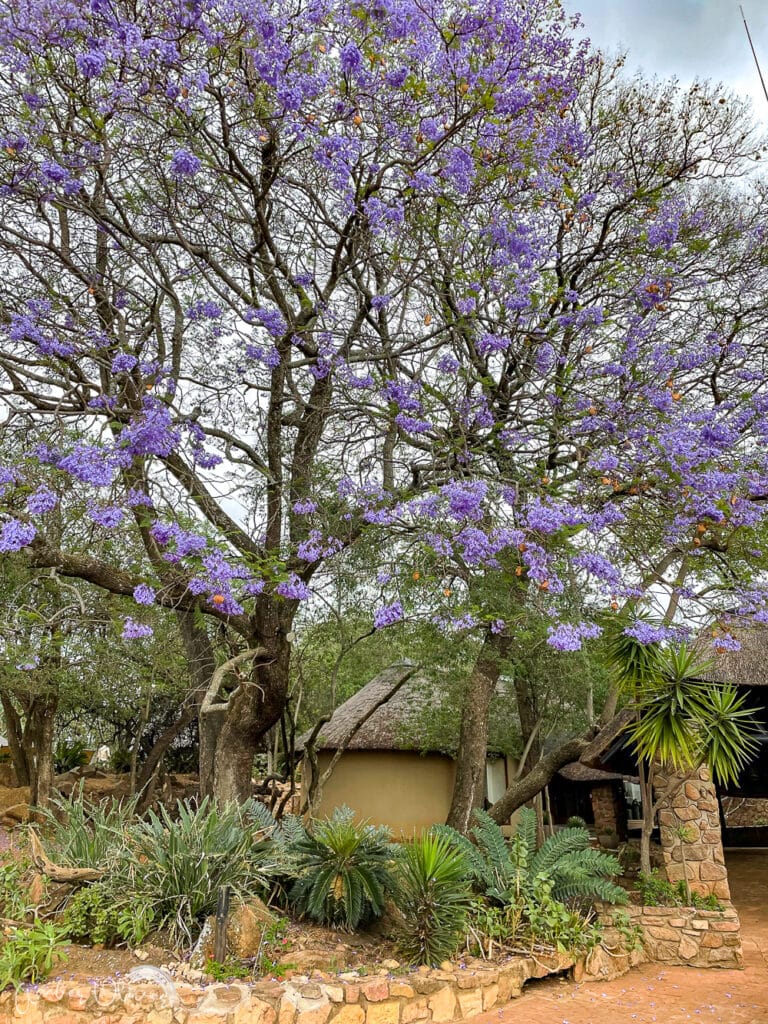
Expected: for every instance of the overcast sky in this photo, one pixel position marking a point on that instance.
(687, 38)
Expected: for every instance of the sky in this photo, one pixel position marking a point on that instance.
(685, 38)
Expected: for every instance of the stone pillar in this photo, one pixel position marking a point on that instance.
(689, 827)
(609, 809)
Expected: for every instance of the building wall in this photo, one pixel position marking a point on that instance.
(402, 790)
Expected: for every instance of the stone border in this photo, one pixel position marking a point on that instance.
(420, 996)
(683, 936)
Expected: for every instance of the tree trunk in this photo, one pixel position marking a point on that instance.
(529, 721)
(469, 787)
(15, 740)
(536, 779)
(252, 709)
(202, 664)
(38, 743)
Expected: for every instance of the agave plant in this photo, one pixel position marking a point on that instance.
(179, 862)
(344, 871)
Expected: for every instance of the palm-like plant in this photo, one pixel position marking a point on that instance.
(434, 891)
(344, 871)
(684, 721)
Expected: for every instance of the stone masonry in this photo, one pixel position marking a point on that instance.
(689, 827)
(680, 935)
(609, 809)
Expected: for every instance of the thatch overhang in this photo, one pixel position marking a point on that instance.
(746, 667)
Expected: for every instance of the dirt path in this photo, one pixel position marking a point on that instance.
(652, 995)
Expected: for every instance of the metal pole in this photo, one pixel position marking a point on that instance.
(222, 913)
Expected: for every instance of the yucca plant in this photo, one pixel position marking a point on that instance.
(434, 890)
(344, 871)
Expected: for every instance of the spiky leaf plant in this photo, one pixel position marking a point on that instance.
(503, 870)
(344, 871)
(434, 889)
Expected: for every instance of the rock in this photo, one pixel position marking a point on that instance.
(446, 965)
(390, 965)
(245, 930)
(141, 954)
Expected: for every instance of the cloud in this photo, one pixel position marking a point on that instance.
(686, 38)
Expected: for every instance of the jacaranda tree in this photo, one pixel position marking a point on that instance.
(279, 275)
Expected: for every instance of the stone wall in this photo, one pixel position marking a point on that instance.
(679, 935)
(689, 829)
(416, 997)
(744, 812)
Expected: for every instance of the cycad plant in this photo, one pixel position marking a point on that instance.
(344, 871)
(504, 871)
(434, 890)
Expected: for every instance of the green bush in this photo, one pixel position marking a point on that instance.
(29, 953)
(658, 892)
(100, 914)
(434, 897)
(502, 870)
(68, 755)
(177, 863)
(576, 821)
(83, 834)
(343, 871)
(14, 893)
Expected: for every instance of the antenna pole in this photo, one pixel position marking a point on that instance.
(752, 48)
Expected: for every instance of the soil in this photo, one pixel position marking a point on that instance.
(673, 995)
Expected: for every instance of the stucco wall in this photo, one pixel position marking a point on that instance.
(403, 790)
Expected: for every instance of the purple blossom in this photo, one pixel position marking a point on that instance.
(144, 594)
(294, 589)
(91, 64)
(41, 501)
(133, 630)
(726, 642)
(15, 535)
(207, 310)
(465, 499)
(89, 465)
(388, 615)
(184, 164)
(123, 362)
(304, 507)
(108, 516)
(351, 59)
(568, 637)
(648, 633)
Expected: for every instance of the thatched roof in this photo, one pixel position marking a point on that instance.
(746, 667)
(391, 726)
(576, 772)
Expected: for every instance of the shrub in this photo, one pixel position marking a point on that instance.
(69, 755)
(658, 892)
(30, 953)
(502, 870)
(343, 870)
(15, 904)
(576, 821)
(100, 913)
(177, 864)
(88, 835)
(434, 899)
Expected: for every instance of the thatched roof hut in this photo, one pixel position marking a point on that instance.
(397, 768)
